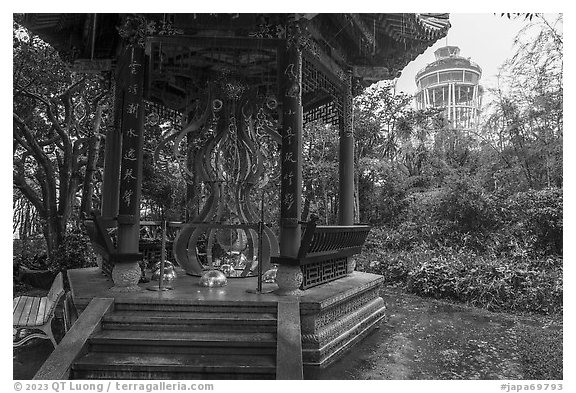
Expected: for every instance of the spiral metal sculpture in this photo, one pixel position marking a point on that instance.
(227, 159)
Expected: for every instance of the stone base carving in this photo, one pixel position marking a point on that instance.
(126, 277)
(330, 329)
(289, 279)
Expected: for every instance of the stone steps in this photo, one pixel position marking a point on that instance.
(190, 321)
(197, 306)
(143, 339)
(178, 338)
(173, 366)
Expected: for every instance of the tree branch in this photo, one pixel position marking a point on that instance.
(32, 145)
(66, 144)
(19, 181)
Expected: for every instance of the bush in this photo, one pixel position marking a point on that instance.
(382, 192)
(74, 252)
(461, 215)
(538, 218)
(29, 252)
(497, 284)
(462, 203)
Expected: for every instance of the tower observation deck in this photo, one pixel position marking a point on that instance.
(451, 82)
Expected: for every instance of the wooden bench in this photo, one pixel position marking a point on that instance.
(103, 245)
(30, 312)
(324, 251)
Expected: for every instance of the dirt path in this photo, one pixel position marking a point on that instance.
(429, 339)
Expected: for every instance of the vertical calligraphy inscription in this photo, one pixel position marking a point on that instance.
(132, 128)
(291, 135)
(348, 107)
(290, 75)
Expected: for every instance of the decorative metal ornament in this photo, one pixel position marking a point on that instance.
(269, 277)
(169, 275)
(234, 89)
(213, 278)
(271, 103)
(227, 269)
(217, 105)
(167, 265)
(152, 119)
(80, 111)
(232, 160)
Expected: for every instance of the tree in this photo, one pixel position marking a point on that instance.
(524, 124)
(394, 144)
(320, 171)
(57, 115)
(380, 121)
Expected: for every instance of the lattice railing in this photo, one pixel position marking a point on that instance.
(322, 272)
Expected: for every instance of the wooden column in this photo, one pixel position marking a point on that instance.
(132, 142)
(289, 278)
(291, 153)
(346, 159)
(126, 275)
(112, 157)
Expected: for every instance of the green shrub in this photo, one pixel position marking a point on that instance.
(29, 252)
(462, 215)
(494, 283)
(74, 252)
(382, 192)
(464, 204)
(538, 218)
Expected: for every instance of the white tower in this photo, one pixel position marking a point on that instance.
(451, 82)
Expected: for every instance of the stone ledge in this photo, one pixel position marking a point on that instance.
(324, 355)
(322, 337)
(343, 312)
(326, 295)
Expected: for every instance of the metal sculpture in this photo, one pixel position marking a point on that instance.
(223, 149)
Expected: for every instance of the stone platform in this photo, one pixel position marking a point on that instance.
(334, 316)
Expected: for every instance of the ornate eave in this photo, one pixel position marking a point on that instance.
(388, 40)
(76, 36)
(185, 50)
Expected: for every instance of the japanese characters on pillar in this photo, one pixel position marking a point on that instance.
(132, 134)
(291, 163)
(348, 107)
(346, 158)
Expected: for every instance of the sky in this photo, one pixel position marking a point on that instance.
(486, 38)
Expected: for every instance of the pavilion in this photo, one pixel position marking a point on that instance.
(234, 85)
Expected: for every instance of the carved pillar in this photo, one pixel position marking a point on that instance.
(126, 275)
(112, 156)
(346, 159)
(289, 278)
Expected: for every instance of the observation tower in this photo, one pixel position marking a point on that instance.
(451, 82)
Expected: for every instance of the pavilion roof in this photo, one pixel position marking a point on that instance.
(389, 40)
(186, 50)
